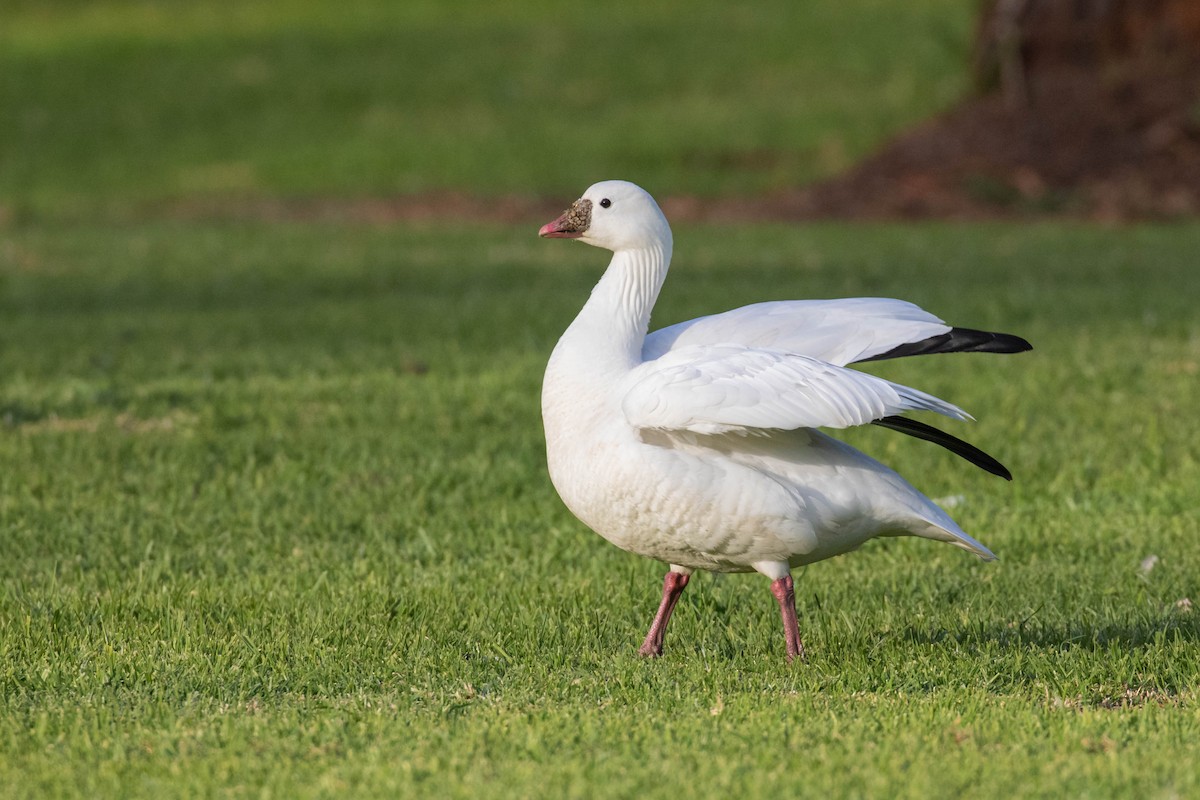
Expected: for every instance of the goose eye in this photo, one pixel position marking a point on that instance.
(605, 203)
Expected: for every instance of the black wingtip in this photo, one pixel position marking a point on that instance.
(955, 445)
(988, 342)
(959, 340)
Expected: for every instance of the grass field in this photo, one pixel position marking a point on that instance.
(253, 548)
(116, 107)
(273, 507)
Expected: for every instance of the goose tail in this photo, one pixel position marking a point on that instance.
(952, 534)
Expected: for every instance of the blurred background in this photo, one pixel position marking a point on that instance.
(127, 108)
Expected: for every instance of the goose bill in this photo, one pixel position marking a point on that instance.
(571, 224)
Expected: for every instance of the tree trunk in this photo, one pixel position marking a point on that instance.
(1081, 107)
(1018, 41)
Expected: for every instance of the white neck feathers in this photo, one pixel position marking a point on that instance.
(613, 324)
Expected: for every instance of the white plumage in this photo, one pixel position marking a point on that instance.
(837, 331)
(697, 445)
(728, 388)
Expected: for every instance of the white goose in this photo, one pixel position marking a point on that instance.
(697, 445)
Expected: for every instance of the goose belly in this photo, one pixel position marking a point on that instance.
(691, 504)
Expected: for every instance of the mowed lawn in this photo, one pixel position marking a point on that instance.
(276, 522)
(274, 516)
(115, 107)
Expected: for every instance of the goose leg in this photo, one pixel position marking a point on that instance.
(673, 585)
(785, 594)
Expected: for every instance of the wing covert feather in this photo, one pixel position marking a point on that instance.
(731, 388)
(839, 332)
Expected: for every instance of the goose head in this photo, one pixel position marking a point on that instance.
(615, 215)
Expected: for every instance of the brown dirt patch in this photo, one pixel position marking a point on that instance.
(1112, 147)
(1085, 108)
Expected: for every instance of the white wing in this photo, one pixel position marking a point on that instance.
(835, 331)
(737, 389)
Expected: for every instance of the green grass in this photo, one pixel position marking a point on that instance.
(274, 514)
(115, 107)
(252, 547)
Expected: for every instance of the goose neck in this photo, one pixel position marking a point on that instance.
(622, 301)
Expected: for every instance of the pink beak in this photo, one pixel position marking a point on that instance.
(555, 229)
